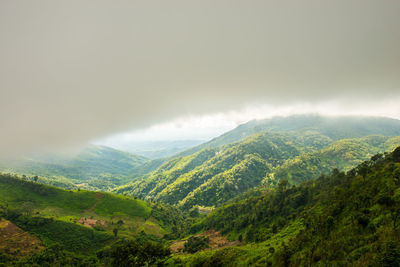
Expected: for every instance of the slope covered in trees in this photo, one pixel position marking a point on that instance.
(95, 168)
(343, 155)
(337, 220)
(224, 171)
(213, 176)
(335, 128)
(82, 223)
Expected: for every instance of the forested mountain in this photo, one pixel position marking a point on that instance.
(96, 168)
(343, 155)
(268, 193)
(335, 128)
(174, 180)
(344, 219)
(213, 176)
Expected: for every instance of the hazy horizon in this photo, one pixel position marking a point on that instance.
(76, 72)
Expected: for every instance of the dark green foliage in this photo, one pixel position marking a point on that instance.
(52, 256)
(224, 172)
(134, 254)
(389, 254)
(196, 243)
(170, 218)
(343, 154)
(71, 237)
(343, 219)
(213, 176)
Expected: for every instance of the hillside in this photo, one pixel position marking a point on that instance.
(221, 172)
(95, 168)
(343, 155)
(213, 176)
(335, 128)
(344, 219)
(60, 216)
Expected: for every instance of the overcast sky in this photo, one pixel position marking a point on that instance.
(76, 71)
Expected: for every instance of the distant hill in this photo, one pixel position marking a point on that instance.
(335, 128)
(246, 162)
(213, 176)
(159, 149)
(96, 167)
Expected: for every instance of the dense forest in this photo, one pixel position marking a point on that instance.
(345, 218)
(211, 177)
(338, 219)
(277, 195)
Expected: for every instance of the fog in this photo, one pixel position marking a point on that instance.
(76, 71)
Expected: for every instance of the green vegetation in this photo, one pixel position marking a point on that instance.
(95, 168)
(196, 243)
(343, 155)
(135, 254)
(296, 191)
(223, 170)
(334, 128)
(337, 220)
(212, 177)
(78, 224)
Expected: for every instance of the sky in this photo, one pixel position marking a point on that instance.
(76, 71)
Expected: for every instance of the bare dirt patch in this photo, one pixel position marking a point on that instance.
(14, 241)
(216, 241)
(91, 222)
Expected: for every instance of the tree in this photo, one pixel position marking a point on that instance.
(27, 208)
(195, 244)
(134, 254)
(36, 178)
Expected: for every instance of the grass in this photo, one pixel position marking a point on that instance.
(62, 210)
(116, 205)
(253, 254)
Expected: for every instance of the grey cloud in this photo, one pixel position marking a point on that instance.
(71, 71)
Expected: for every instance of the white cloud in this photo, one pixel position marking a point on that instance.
(205, 127)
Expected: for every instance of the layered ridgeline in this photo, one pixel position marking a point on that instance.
(215, 175)
(335, 128)
(344, 219)
(95, 168)
(79, 223)
(343, 155)
(177, 178)
(158, 149)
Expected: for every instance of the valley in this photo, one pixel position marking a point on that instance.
(254, 200)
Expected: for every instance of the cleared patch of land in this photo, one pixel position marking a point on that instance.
(16, 242)
(216, 240)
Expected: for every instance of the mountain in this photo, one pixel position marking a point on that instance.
(343, 155)
(233, 168)
(344, 219)
(213, 176)
(80, 223)
(96, 168)
(335, 128)
(159, 149)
